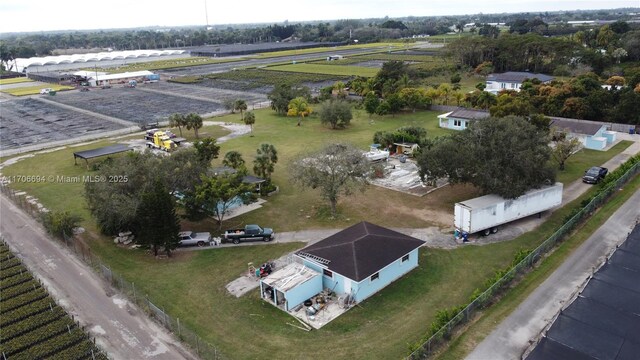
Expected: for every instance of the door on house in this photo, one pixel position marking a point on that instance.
(347, 286)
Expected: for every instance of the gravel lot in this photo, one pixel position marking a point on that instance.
(136, 105)
(30, 121)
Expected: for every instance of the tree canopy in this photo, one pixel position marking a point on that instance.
(337, 169)
(157, 224)
(505, 156)
(336, 113)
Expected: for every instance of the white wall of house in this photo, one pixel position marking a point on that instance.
(453, 123)
(495, 86)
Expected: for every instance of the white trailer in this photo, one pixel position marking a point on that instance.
(484, 214)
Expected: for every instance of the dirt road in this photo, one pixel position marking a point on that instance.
(119, 327)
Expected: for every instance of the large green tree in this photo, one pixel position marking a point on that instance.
(336, 113)
(505, 156)
(335, 170)
(157, 224)
(207, 149)
(178, 120)
(219, 193)
(233, 159)
(299, 107)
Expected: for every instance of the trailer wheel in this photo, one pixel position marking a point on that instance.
(236, 241)
(494, 230)
(486, 232)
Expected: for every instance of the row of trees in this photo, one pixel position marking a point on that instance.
(146, 203)
(191, 121)
(551, 55)
(581, 98)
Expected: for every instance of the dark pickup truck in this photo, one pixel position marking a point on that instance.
(594, 175)
(250, 232)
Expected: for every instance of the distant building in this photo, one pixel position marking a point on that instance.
(512, 80)
(334, 57)
(461, 118)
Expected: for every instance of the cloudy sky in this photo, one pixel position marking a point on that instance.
(45, 15)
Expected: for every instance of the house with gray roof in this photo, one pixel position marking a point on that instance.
(593, 135)
(461, 118)
(512, 80)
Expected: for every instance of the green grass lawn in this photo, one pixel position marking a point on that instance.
(490, 318)
(393, 46)
(313, 68)
(586, 158)
(191, 285)
(34, 90)
(14, 80)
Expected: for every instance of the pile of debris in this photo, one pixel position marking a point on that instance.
(125, 238)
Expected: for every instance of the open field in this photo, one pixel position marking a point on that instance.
(372, 46)
(14, 80)
(326, 69)
(34, 90)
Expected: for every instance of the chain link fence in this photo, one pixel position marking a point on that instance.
(200, 347)
(444, 333)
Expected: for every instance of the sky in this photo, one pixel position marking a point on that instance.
(47, 15)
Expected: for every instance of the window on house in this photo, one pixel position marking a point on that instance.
(405, 258)
(375, 276)
(327, 273)
(503, 85)
(513, 85)
(457, 123)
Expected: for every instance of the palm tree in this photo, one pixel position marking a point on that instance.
(234, 160)
(299, 107)
(241, 106)
(265, 162)
(250, 119)
(177, 120)
(194, 121)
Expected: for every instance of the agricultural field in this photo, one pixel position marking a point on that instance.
(313, 68)
(162, 64)
(31, 121)
(135, 104)
(260, 80)
(14, 80)
(372, 46)
(208, 92)
(34, 90)
(33, 325)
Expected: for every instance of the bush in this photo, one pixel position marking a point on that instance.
(59, 222)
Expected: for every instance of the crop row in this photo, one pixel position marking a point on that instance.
(22, 300)
(263, 77)
(7, 273)
(24, 312)
(18, 278)
(20, 289)
(8, 261)
(81, 350)
(37, 336)
(30, 323)
(61, 342)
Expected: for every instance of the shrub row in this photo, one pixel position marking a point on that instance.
(35, 321)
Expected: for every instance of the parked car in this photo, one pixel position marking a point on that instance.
(594, 175)
(189, 238)
(45, 91)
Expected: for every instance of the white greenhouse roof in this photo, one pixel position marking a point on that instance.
(125, 75)
(83, 58)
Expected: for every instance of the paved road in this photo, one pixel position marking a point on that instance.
(516, 333)
(120, 328)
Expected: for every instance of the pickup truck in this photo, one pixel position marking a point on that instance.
(594, 175)
(192, 238)
(250, 232)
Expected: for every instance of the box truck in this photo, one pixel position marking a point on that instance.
(484, 214)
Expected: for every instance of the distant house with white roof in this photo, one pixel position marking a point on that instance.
(512, 80)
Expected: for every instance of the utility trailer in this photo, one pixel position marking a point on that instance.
(484, 214)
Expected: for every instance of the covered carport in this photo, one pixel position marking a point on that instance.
(103, 151)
